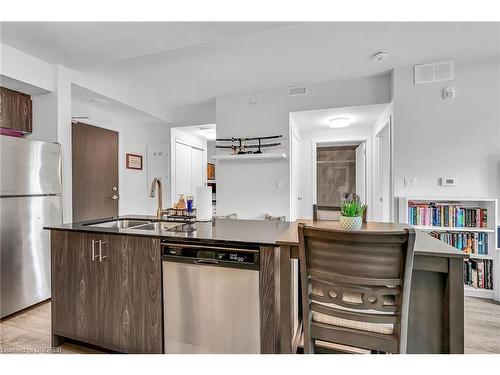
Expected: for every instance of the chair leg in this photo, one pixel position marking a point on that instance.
(309, 346)
(308, 342)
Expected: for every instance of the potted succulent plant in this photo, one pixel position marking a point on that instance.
(351, 215)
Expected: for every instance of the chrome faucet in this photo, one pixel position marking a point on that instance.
(157, 183)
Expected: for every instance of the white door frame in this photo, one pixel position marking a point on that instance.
(348, 142)
(391, 168)
(293, 200)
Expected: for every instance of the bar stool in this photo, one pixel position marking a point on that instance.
(356, 287)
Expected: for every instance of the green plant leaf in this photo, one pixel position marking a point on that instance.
(352, 209)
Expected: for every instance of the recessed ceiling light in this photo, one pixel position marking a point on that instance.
(339, 122)
(379, 56)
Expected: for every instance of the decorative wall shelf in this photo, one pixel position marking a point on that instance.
(265, 156)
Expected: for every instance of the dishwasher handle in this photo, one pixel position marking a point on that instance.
(206, 261)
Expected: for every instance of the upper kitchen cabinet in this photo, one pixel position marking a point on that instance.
(16, 111)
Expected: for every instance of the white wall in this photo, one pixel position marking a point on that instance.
(44, 117)
(459, 138)
(196, 114)
(253, 188)
(133, 137)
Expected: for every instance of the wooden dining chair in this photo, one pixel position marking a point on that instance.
(356, 287)
(329, 213)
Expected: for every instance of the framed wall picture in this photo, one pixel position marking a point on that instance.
(210, 171)
(133, 161)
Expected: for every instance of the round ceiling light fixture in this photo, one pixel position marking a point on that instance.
(382, 55)
(339, 122)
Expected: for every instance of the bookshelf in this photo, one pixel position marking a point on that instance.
(488, 233)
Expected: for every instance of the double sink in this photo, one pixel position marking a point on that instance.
(137, 224)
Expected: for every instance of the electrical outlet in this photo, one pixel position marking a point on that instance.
(410, 182)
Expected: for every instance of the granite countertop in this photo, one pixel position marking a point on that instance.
(238, 232)
(252, 233)
(425, 244)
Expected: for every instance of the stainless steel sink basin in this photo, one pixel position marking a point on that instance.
(161, 225)
(120, 224)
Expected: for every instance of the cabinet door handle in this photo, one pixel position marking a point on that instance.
(101, 257)
(93, 250)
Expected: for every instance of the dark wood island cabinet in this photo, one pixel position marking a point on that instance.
(106, 291)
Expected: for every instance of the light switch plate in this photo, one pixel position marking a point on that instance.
(410, 182)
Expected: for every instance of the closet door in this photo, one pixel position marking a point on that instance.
(196, 169)
(182, 169)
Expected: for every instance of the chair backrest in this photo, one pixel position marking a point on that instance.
(369, 268)
(329, 213)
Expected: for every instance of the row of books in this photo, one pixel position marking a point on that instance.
(447, 214)
(471, 243)
(479, 273)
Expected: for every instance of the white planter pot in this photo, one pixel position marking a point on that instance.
(351, 223)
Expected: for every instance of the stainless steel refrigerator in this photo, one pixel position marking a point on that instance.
(30, 198)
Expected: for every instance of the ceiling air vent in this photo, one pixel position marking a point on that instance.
(296, 91)
(427, 73)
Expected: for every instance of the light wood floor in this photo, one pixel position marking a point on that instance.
(29, 330)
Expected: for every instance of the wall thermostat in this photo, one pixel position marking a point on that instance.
(449, 93)
(448, 181)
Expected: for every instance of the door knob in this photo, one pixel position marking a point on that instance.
(114, 188)
(114, 197)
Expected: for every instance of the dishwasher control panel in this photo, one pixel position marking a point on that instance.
(211, 255)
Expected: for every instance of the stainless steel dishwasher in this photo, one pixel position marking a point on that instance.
(210, 299)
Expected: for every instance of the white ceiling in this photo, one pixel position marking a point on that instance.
(188, 63)
(83, 44)
(82, 95)
(317, 120)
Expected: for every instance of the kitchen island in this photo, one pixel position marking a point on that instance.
(107, 287)
(107, 280)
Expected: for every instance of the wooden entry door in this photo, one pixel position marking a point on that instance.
(95, 172)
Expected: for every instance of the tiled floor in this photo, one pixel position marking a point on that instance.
(29, 331)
